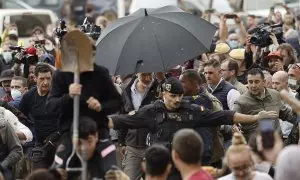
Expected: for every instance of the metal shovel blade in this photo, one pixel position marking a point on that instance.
(77, 52)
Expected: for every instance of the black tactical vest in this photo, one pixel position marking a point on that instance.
(168, 123)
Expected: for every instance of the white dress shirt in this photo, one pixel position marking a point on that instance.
(232, 95)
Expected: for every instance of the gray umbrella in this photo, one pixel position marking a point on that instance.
(153, 40)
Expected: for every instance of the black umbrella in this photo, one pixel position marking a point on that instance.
(153, 40)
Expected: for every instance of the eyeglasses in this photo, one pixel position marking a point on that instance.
(296, 65)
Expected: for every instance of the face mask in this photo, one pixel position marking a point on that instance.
(15, 93)
(7, 56)
(49, 47)
(293, 84)
(233, 44)
(13, 31)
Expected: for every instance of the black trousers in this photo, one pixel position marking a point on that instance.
(42, 157)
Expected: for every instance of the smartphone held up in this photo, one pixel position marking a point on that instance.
(267, 128)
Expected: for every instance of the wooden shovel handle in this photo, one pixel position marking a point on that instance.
(290, 100)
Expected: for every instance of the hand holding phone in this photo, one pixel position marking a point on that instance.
(266, 127)
(230, 16)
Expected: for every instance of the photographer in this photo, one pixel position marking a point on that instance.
(262, 40)
(23, 59)
(50, 47)
(240, 38)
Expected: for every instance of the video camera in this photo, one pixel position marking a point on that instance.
(261, 34)
(19, 49)
(61, 30)
(91, 30)
(87, 28)
(20, 55)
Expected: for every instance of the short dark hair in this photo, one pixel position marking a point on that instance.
(12, 37)
(189, 146)
(42, 68)
(87, 126)
(256, 71)
(192, 75)
(21, 78)
(212, 62)
(233, 66)
(157, 158)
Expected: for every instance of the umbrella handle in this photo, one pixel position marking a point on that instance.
(75, 137)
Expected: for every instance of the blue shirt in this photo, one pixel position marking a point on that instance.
(15, 103)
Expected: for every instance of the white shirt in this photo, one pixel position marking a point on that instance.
(232, 95)
(17, 125)
(257, 176)
(286, 127)
(136, 96)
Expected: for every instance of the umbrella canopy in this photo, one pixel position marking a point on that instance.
(153, 40)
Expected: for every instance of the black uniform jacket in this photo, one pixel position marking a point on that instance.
(196, 116)
(97, 84)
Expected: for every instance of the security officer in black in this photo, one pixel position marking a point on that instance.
(100, 155)
(173, 114)
(166, 117)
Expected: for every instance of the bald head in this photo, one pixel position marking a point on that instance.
(280, 80)
(288, 163)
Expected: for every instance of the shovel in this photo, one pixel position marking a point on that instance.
(77, 56)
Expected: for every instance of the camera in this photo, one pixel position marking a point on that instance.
(40, 42)
(61, 30)
(91, 30)
(87, 28)
(261, 34)
(17, 48)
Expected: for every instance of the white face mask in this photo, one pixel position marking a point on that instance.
(15, 93)
(13, 31)
(49, 47)
(7, 56)
(293, 84)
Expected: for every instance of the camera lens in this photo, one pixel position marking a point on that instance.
(254, 40)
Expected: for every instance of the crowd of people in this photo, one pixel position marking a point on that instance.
(199, 120)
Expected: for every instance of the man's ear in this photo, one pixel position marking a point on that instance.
(174, 155)
(232, 73)
(169, 167)
(143, 165)
(97, 135)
